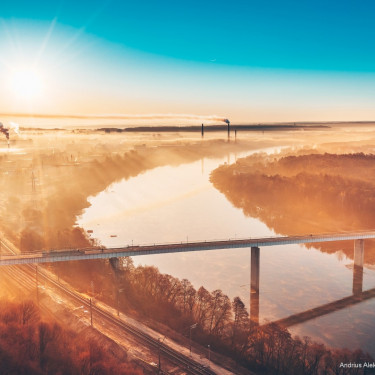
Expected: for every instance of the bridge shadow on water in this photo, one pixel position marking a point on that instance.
(357, 297)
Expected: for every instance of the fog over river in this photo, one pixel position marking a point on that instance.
(174, 204)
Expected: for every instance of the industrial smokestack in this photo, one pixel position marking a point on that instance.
(228, 122)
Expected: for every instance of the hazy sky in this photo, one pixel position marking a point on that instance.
(246, 60)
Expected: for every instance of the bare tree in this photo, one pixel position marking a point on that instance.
(219, 312)
(28, 312)
(240, 324)
(202, 306)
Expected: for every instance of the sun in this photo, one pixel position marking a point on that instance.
(26, 84)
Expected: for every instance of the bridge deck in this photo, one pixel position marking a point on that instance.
(85, 254)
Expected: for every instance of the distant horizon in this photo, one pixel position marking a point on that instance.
(190, 119)
(122, 122)
(246, 61)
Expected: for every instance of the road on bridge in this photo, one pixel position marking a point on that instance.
(62, 255)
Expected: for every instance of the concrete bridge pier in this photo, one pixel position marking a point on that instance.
(359, 251)
(116, 266)
(115, 263)
(255, 261)
(254, 286)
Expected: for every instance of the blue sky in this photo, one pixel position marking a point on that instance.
(254, 60)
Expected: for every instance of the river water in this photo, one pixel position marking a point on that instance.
(174, 204)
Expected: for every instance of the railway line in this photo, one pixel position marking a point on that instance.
(172, 355)
(25, 275)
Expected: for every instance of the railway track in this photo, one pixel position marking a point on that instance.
(26, 276)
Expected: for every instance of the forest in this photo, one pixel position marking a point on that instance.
(33, 345)
(226, 326)
(304, 194)
(148, 295)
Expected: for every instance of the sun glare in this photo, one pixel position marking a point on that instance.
(26, 84)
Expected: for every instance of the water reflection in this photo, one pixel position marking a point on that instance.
(328, 308)
(357, 297)
(357, 279)
(176, 203)
(254, 286)
(312, 193)
(13, 150)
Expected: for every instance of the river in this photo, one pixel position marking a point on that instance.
(180, 204)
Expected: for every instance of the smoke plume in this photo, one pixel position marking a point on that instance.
(4, 130)
(15, 127)
(167, 116)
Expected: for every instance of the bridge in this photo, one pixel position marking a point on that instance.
(254, 243)
(63, 255)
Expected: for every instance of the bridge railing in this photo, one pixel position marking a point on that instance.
(197, 242)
